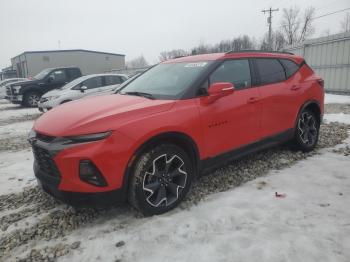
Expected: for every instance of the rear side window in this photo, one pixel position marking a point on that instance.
(289, 66)
(113, 80)
(235, 71)
(73, 73)
(270, 71)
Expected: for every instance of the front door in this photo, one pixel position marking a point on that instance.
(56, 79)
(93, 86)
(232, 121)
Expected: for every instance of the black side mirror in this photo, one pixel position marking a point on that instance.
(50, 79)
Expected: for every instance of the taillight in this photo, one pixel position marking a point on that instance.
(320, 82)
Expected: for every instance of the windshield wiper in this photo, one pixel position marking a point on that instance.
(135, 93)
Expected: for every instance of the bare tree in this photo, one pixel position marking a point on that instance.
(137, 62)
(166, 55)
(235, 44)
(345, 23)
(307, 29)
(278, 41)
(290, 24)
(295, 27)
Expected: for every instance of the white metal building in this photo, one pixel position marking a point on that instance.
(90, 62)
(330, 58)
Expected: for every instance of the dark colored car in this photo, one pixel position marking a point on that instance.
(28, 93)
(147, 143)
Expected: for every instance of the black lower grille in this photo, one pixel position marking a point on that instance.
(45, 162)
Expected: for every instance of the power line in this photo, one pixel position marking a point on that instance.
(269, 21)
(317, 17)
(335, 12)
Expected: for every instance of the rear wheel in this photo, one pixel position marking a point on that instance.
(31, 99)
(306, 131)
(160, 180)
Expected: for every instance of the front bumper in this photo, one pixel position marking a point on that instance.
(50, 185)
(16, 99)
(46, 105)
(56, 168)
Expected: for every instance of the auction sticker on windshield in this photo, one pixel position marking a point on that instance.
(200, 64)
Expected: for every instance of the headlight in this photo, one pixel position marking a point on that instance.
(52, 97)
(16, 89)
(63, 142)
(87, 138)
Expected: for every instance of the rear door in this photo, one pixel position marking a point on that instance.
(232, 121)
(279, 94)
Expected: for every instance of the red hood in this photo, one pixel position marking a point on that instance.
(97, 114)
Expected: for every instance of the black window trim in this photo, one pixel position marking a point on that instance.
(299, 66)
(212, 70)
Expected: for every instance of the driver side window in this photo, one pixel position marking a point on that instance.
(236, 72)
(58, 76)
(94, 82)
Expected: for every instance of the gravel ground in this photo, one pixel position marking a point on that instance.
(337, 108)
(55, 221)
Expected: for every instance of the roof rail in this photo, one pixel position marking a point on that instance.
(179, 56)
(258, 51)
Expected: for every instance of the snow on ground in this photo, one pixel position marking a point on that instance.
(16, 171)
(245, 224)
(341, 118)
(8, 110)
(336, 99)
(16, 129)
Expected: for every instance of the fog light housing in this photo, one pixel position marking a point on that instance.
(90, 174)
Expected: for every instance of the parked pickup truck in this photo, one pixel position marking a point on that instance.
(28, 93)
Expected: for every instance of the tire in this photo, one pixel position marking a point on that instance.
(306, 131)
(31, 99)
(152, 189)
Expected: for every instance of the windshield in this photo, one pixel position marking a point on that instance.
(166, 81)
(42, 74)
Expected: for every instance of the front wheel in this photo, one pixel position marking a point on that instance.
(31, 99)
(160, 179)
(306, 131)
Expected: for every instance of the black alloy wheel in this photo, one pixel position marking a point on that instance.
(161, 178)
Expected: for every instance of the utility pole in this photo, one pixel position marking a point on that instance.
(269, 21)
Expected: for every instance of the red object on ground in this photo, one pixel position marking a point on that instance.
(280, 195)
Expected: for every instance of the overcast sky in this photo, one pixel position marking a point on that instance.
(140, 27)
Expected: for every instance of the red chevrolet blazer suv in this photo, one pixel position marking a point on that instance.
(146, 143)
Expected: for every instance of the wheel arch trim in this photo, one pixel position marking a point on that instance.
(173, 137)
(305, 105)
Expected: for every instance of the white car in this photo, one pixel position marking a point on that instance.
(90, 85)
(4, 82)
